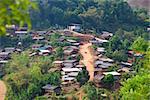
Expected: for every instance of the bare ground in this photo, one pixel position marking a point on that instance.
(88, 58)
(2, 90)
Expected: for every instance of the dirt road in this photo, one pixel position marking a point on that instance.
(2, 90)
(88, 58)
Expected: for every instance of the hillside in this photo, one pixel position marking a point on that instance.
(140, 3)
(75, 50)
(92, 14)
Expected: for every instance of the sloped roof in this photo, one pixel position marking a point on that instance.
(71, 69)
(49, 87)
(113, 73)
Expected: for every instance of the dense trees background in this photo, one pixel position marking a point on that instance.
(93, 14)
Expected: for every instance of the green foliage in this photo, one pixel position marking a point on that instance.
(113, 68)
(137, 64)
(26, 41)
(125, 76)
(45, 63)
(41, 98)
(119, 45)
(54, 38)
(94, 93)
(121, 40)
(7, 41)
(108, 79)
(83, 76)
(140, 45)
(59, 52)
(17, 63)
(136, 88)
(79, 57)
(91, 92)
(53, 78)
(120, 55)
(25, 77)
(142, 13)
(92, 14)
(92, 17)
(15, 12)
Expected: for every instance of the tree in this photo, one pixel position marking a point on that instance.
(139, 45)
(92, 17)
(136, 88)
(17, 63)
(115, 43)
(59, 52)
(15, 12)
(109, 15)
(6, 41)
(108, 79)
(45, 63)
(126, 44)
(26, 41)
(83, 76)
(25, 77)
(79, 57)
(125, 76)
(113, 68)
(91, 92)
(121, 40)
(120, 55)
(53, 78)
(54, 40)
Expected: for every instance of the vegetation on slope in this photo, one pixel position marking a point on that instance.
(24, 76)
(138, 87)
(92, 14)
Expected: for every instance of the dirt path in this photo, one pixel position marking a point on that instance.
(88, 58)
(2, 90)
(80, 94)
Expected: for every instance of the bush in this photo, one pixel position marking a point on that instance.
(83, 76)
(108, 79)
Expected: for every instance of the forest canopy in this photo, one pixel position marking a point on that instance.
(92, 14)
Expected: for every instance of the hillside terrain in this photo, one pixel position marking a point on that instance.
(75, 50)
(96, 15)
(140, 4)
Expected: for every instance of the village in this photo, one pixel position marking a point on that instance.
(80, 51)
